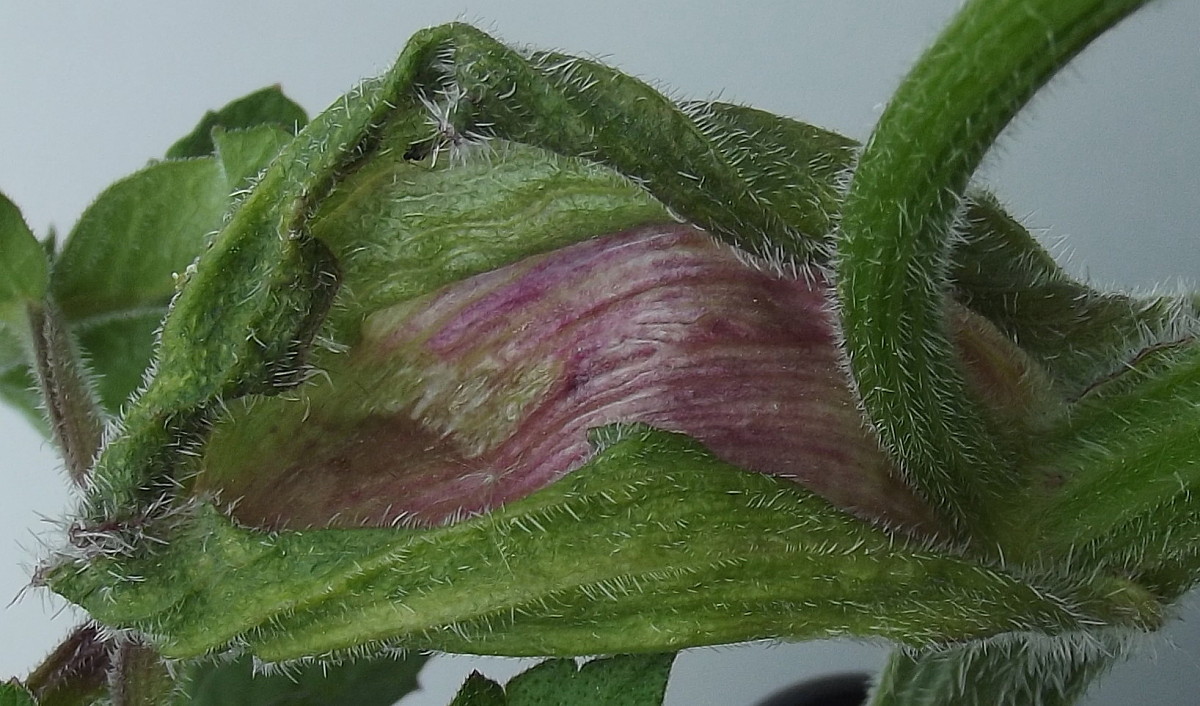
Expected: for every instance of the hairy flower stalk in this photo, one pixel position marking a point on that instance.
(898, 219)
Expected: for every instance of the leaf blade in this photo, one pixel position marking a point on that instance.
(267, 106)
(23, 267)
(12, 694)
(368, 682)
(478, 690)
(1027, 670)
(245, 153)
(126, 247)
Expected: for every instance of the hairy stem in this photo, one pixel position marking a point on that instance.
(138, 676)
(71, 407)
(74, 673)
(897, 223)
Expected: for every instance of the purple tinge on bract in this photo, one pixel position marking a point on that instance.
(484, 391)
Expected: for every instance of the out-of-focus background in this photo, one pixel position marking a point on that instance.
(1106, 159)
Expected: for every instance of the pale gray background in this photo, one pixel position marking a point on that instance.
(1106, 158)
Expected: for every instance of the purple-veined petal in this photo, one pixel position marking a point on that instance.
(483, 392)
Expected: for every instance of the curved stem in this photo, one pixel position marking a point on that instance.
(899, 217)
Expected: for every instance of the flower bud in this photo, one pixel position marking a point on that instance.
(431, 391)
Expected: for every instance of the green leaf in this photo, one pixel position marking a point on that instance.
(566, 105)
(607, 560)
(379, 681)
(245, 153)
(117, 270)
(13, 694)
(23, 282)
(1022, 669)
(625, 680)
(1124, 468)
(267, 106)
(119, 348)
(780, 159)
(397, 235)
(126, 247)
(19, 390)
(1077, 334)
(478, 690)
(119, 266)
(23, 266)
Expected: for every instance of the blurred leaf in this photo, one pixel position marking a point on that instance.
(22, 264)
(123, 251)
(478, 690)
(119, 348)
(379, 681)
(13, 694)
(23, 280)
(244, 153)
(117, 270)
(1026, 670)
(267, 106)
(19, 390)
(624, 680)
(13, 352)
(118, 267)
(75, 673)
(138, 676)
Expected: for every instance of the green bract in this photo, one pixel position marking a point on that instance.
(506, 353)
